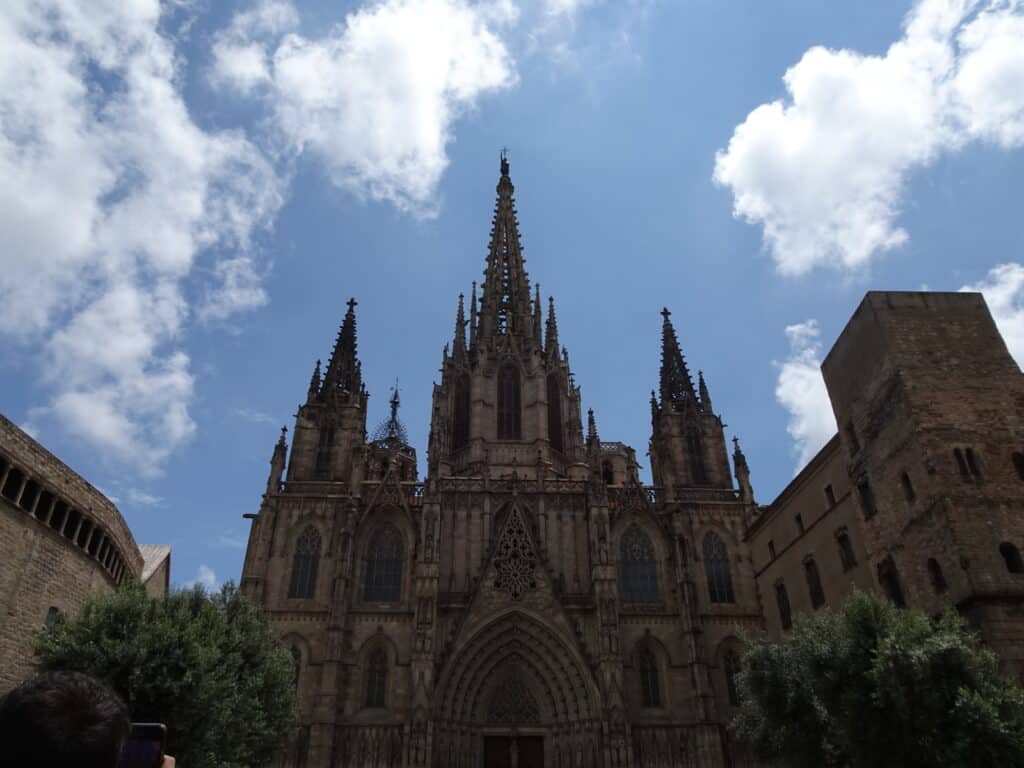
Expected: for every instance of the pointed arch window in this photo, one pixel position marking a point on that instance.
(716, 568)
(296, 665)
(377, 679)
(814, 588)
(695, 449)
(554, 414)
(650, 689)
(846, 556)
(383, 582)
(460, 422)
(323, 452)
(607, 473)
(782, 601)
(889, 581)
(305, 563)
(509, 405)
(731, 667)
(639, 568)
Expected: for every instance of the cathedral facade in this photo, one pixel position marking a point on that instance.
(529, 603)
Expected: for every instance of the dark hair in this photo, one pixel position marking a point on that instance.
(62, 719)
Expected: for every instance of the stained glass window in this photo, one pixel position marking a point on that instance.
(377, 679)
(639, 569)
(384, 566)
(509, 410)
(650, 689)
(716, 567)
(305, 564)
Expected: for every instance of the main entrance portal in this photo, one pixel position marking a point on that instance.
(514, 751)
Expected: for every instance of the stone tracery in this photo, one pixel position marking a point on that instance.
(515, 562)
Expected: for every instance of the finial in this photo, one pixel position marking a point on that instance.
(352, 304)
(736, 442)
(665, 313)
(504, 161)
(284, 431)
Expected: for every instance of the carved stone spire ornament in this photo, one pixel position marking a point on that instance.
(515, 562)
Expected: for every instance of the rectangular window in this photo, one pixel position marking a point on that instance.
(972, 463)
(771, 549)
(867, 498)
(830, 496)
(800, 523)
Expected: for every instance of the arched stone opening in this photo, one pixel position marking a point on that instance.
(516, 688)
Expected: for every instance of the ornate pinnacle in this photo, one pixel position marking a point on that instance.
(536, 317)
(551, 334)
(314, 382)
(343, 369)
(676, 384)
(460, 330)
(472, 317)
(705, 396)
(592, 438)
(282, 441)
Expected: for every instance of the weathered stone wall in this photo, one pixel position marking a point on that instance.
(60, 541)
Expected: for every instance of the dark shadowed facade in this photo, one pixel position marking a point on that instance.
(531, 603)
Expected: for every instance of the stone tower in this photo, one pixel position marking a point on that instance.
(530, 603)
(930, 408)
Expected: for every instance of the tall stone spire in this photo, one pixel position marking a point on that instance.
(459, 347)
(505, 304)
(314, 383)
(343, 371)
(593, 441)
(676, 384)
(536, 316)
(472, 317)
(277, 463)
(705, 395)
(551, 332)
(739, 462)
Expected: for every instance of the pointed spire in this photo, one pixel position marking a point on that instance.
(460, 330)
(654, 406)
(705, 396)
(505, 302)
(393, 426)
(536, 317)
(314, 382)
(551, 332)
(739, 462)
(343, 371)
(676, 384)
(472, 317)
(277, 463)
(592, 438)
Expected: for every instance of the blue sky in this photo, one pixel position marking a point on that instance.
(190, 192)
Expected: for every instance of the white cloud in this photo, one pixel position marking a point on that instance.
(110, 195)
(206, 578)
(824, 171)
(257, 417)
(376, 98)
(800, 389)
(1003, 289)
(142, 499)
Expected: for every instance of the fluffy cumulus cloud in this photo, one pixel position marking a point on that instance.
(823, 170)
(110, 196)
(800, 389)
(375, 99)
(205, 578)
(1003, 289)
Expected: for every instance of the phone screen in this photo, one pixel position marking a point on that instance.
(144, 747)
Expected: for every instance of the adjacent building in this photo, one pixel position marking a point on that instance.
(61, 540)
(921, 494)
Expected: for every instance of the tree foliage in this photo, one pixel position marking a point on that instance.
(206, 665)
(868, 684)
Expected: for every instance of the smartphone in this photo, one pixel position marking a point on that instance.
(145, 746)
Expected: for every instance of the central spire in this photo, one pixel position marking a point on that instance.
(505, 302)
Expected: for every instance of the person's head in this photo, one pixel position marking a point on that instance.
(60, 719)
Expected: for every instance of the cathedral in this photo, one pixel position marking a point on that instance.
(529, 603)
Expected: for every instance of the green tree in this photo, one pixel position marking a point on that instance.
(868, 684)
(206, 665)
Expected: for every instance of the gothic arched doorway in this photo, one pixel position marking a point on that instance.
(516, 695)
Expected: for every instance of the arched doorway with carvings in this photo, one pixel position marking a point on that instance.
(517, 696)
